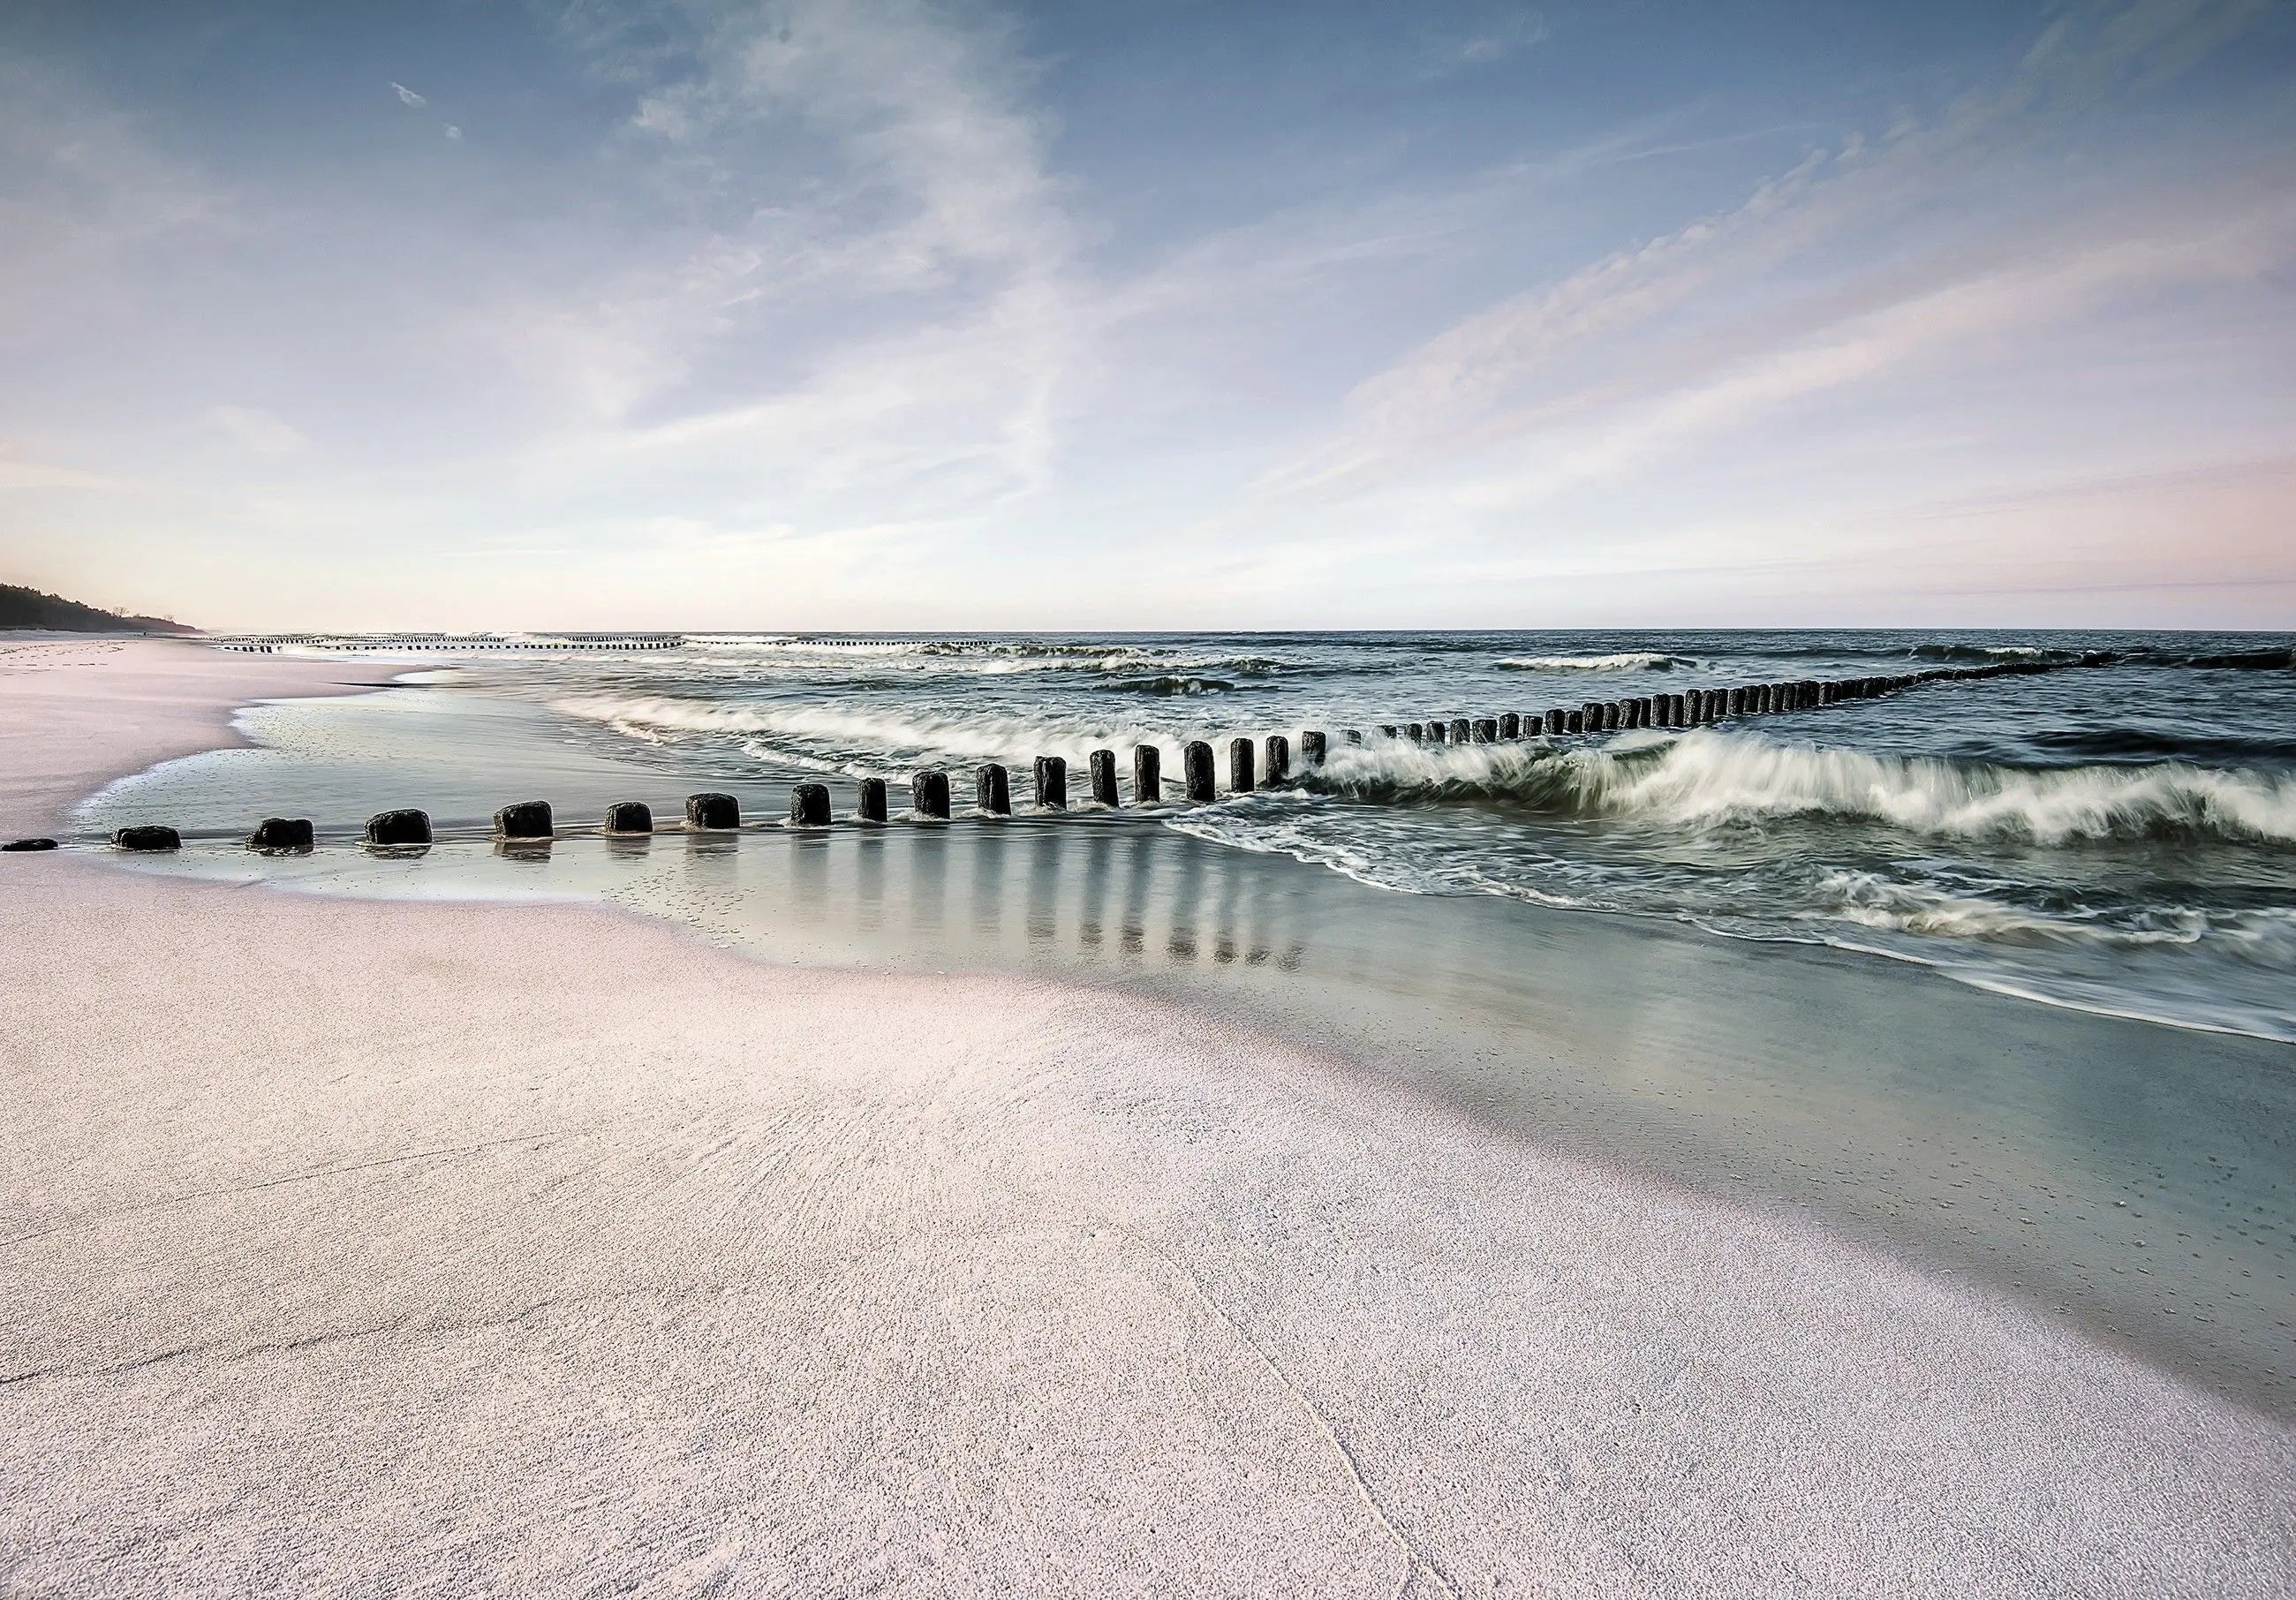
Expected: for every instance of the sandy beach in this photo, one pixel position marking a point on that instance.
(362, 1248)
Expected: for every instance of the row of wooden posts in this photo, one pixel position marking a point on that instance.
(1251, 765)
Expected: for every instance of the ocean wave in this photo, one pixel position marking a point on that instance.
(1171, 684)
(833, 738)
(1705, 780)
(1628, 661)
(1872, 900)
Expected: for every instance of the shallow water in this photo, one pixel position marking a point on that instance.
(2118, 837)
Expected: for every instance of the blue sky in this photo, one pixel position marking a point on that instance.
(459, 313)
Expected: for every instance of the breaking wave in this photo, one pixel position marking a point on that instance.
(1629, 662)
(1706, 780)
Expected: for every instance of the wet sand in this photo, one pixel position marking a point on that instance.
(367, 1247)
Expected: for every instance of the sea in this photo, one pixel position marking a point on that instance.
(2120, 838)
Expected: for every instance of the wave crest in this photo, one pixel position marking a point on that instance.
(1625, 661)
(1707, 780)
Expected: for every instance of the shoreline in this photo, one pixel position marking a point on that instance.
(1020, 1284)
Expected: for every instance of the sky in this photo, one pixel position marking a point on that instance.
(1157, 315)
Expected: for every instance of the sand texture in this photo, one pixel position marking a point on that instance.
(355, 1247)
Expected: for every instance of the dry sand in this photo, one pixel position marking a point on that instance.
(378, 1248)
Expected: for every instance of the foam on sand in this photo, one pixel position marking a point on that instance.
(534, 1249)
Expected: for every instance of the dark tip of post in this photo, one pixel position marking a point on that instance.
(1438, 731)
(1196, 762)
(992, 791)
(1575, 722)
(1052, 783)
(1147, 775)
(873, 801)
(398, 828)
(28, 844)
(1557, 722)
(713, 813)
(1279, 759)
(282, 836)
(1487, 730)
(152, 836)
(523, 819)
(1511, 726)
(929, 794)
(1312, 748)
(629, 817)
(809, 805)
(1355, 736)
(1239, 766)
(1101, 770)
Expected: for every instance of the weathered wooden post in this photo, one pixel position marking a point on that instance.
(1387, 730)
(1487, 730)
(1462, 730)
(992, 791)
(1416, 731)
(1196, 768)
(389, 828)
(1052, 783)
(1100, 769)
(712, 813)
(282, 836)
(1733, 704)
(1558, 722)
(1611, 716)
(929, 794)
(523, 819)
(809, 805)
(1437, 731)
(1590, 718)
(150, 836)
(1278, 761)
(1239, 767)
(629, 817)
(1311, 748)
(872, 807)
(1147, 775)
(1510, 725)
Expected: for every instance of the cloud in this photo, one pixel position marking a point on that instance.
(1510, 364)
(453, 133)
(408, 97)
(1502, 36)
(257, 431)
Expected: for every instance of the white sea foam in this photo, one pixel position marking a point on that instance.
(1632, 661)
(1707, 779)
(858, 739)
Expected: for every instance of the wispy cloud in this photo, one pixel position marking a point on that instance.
(1480, 381)
(408, 97)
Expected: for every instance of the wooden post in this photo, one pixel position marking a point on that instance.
(1416, 731)
(629, 817)
(873, 801)
(929, 794)
(398, 828)
(1311, 748)
(152, 836)
(1196, 768)
(1511, 726)
(1487, 730)
(1611, 715)
(992, 791)
(1558, 722)
(1239, 767)
(1052, 783)
(809, 805)
(712, 813)
(1462, 730)
(1101, 770)
(1437, 732)
(1278, 762)
(1147, 775)
(525, 819)
(282, 836)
